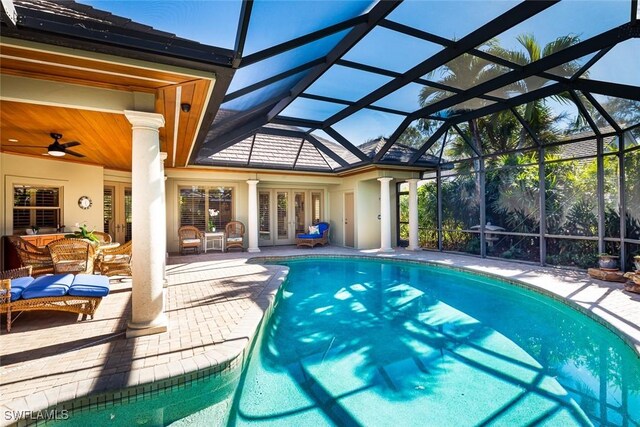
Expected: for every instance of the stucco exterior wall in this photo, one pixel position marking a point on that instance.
(75, 179)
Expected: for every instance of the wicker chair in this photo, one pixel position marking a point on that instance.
(102, 237)
(234, 235)
(72, 256)
(115, 261)
(190, 238)
(39, 259)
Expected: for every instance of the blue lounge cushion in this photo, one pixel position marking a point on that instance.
(55, 285)
(18, 286)
(89, 285)
(323, 226)
(309, 236)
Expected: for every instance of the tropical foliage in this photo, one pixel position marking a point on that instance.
(511, 174)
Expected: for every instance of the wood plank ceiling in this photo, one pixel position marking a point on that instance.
(105, 137)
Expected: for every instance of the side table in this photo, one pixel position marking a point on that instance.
(214, 241)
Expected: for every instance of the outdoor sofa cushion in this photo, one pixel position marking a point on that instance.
(191, 241)
(89, 285)
(55, 285)
(309, 236)
(18, 286)
(234, 239)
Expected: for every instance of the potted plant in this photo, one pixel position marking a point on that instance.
(33, 229)
(636, 263)
(83, 233)
(212, 213)
(607, 262)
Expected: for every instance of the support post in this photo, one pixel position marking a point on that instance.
(543, 205)
(600, 194)
(414, 245)
(147, 188)
(385, 215)
(439, 207)
(253, 215)
(165, 281)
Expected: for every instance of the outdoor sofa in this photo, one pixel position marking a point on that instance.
(81, 293)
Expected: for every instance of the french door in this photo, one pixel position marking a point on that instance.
(283, 213)
(117, 211)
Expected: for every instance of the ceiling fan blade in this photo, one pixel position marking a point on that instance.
(26, 146)
(73, 153)
(70, 144)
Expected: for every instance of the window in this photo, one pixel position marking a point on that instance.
(316, 207)
(206, 207)
(36, 207)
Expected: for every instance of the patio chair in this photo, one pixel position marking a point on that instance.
(115, 261)
(72, 256)
(190, 238)
(313, 239)
(39, 259)
(234, 235)
(102, 237)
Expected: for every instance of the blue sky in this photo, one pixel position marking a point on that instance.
(214, 22)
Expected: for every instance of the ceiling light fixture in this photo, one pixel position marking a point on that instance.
(56, 150)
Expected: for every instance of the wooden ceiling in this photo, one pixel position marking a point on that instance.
(105, 136)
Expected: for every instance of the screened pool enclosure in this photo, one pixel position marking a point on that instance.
(522, 117)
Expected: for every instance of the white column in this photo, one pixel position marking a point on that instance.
(413, 215)
(253, 215)
(149, 225)
(165, 282)
(385, 215)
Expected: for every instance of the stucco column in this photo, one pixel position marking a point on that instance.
(165, 282)
(385, 215)
(253, 215)
(413, 215)
(149, 225)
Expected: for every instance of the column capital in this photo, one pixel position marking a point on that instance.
(163, 156)
(143, 119)
(385, 179)
(253, 181)
(416, 180)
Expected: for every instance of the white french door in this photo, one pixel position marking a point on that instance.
(282, 214)
(117, 211)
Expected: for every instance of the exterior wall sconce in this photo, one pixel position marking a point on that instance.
(185, 107)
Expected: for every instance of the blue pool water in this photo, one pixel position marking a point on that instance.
(363, 342)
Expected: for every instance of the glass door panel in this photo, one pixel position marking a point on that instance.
(127, 214)
(109, 211)
(264, 216)
(282, 215)
(299, 214)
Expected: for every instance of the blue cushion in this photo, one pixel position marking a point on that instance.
(89, 285)
(323, 226)
(18, 285)
(309, 236)
(55, 285)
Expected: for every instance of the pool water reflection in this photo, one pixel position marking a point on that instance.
(364, 342)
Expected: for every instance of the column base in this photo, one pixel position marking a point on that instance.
(253, 250)
(386, 250)
(158, 326)
(414, 248)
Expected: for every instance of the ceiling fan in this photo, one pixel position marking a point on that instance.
(56, 149)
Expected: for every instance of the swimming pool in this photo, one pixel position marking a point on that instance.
(376, 343)
(364, 342)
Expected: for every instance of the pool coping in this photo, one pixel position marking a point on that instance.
(232, 352)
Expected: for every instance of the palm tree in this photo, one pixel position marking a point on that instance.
(533, 52)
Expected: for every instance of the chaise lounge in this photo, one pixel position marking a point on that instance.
(313, 239)
(79, 294)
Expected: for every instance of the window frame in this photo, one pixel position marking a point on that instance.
(34, 209)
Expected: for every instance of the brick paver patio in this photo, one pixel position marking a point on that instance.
(214, 303)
